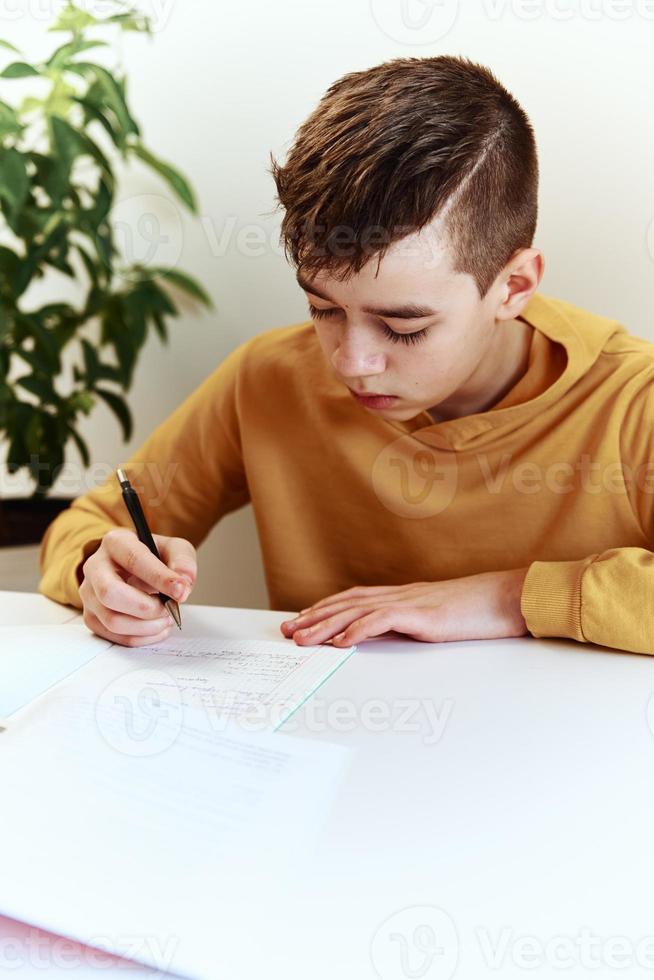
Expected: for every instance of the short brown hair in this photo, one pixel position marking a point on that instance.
(390, 148)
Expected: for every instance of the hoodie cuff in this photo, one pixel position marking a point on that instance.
(551, 598)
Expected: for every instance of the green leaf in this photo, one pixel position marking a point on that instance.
(175, 180)
(20, 416)
(83, 449)
(9, 265)
(52, 250)
(52, 174)
(10, 47)
(67, 142)
(70, 49)
(5, 323)
(105, 249)
(14, 182)
(71, 143)
(160, 326)
(94, 113)
(155, 298)
(10, 124)
(18, 69)
(89, 264)
(115, 331)
(90, 363)
(40, 387)
(112, 91)
(118, 406)
(73, 19)
(79, 401)
(45, 343)
(185, 283)
(132, 20)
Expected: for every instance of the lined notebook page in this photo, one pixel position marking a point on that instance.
(258, 683)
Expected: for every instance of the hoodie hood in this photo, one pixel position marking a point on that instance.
(564, 334)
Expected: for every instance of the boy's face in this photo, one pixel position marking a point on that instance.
(414, 330)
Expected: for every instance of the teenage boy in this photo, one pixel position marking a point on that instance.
(441, 451)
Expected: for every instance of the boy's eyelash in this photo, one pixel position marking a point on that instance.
(405, 338)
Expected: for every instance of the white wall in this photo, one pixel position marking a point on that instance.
(221, 85)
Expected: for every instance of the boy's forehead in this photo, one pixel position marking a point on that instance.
(416, 265)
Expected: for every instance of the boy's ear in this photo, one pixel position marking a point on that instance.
(522, 276)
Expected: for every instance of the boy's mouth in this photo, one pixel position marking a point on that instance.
(372, 400)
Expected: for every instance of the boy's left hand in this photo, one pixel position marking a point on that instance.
(476, 607)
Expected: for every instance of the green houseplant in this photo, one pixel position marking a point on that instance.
(59, 147)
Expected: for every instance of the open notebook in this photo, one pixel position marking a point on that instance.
(256, 682)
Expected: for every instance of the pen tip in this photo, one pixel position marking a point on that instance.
(173, 609)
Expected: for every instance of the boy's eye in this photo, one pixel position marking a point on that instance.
(317, 313)
(405, 338)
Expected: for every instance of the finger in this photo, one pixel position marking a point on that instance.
(96, 626)
(109, 590)
(138, 583)
(377, 623)
(120, 624)
(179, 555)
(315, 615)
(329, 627)
(358, 591)
(136, 558)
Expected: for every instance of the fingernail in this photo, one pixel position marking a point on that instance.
(178, 589)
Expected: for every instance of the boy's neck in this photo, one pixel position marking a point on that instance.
(504, 365)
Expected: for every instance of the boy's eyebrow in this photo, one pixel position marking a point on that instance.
(408, 311)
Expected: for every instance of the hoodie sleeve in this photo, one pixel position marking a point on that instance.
(608, 597)
(188, 474)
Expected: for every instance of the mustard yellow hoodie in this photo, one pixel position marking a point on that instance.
(556, 476)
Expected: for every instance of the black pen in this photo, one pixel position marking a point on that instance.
(133, 505)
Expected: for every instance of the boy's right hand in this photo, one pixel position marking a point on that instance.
(120, 578)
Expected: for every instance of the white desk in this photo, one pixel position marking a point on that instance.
(497, 812)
